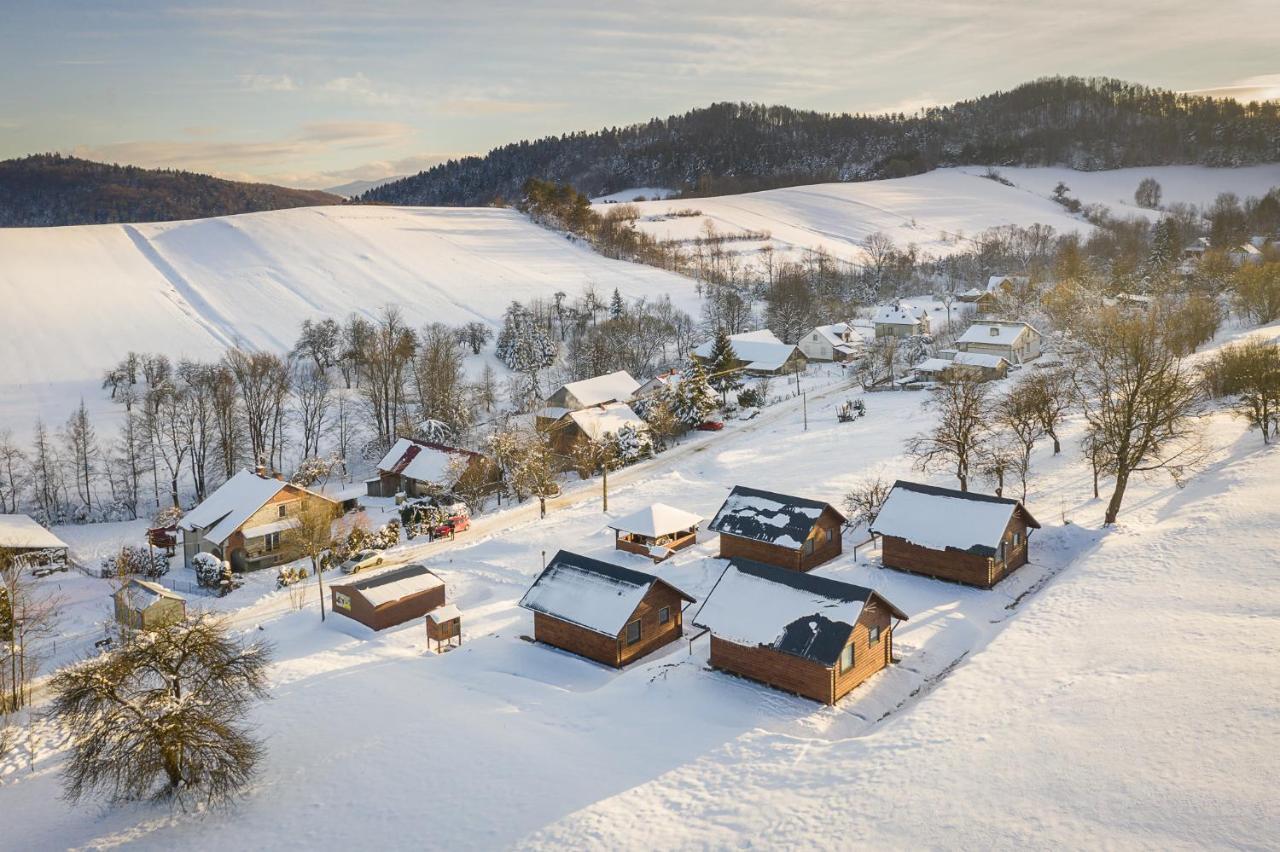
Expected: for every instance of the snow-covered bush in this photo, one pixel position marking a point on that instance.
(287, 576)
(211, 572)
(134, 561)
(632, 444)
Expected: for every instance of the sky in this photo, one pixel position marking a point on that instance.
(316, 93)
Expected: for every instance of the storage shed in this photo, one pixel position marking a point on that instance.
(778, 529)
(389, 598)
(30, 542)
(444, 625)
(602, 611)
(656, 531)
(143, 605)
(800, 633)
(969, 538)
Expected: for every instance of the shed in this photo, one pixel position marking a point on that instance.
(602, 611)
(143, 605)
(30, 542)
(389, 598)
(975, 539)
(444, 624)
(656, 531)
(801, 633)
(779, 529)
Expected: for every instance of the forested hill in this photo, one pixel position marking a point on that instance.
(50, 189)
(1086, 124)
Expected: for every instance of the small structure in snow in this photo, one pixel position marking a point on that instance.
(984, 368)
(790, 532)
(900, 319)
(839, 342)
(602, 611)
(975, 539)
(386, 599)
(444, 625)
(1244, 253)
(759, 353)
(613, 387)
(656, 531)
(143, 605)
(669, 379)
(801, 633)
(30, 542)
(592, 424)
(420, 467)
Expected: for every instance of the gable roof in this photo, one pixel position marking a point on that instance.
(20, 532)
(233, 503)
(656, 520)
(143, 593)
(390, 586)
(1007, 333)
(995, 281)
(769, 517)
(943, 518)
(978, 359)
(423, 461)
(901, 313)
(804, 615)
(618, 386)
(595, 595)
(759, 350)
(599, 420)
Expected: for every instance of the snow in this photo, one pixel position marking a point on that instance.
(977, 359)
(939, 521)
(579, 593)
(902, 313)
(426, 464)
(627, 195)
(384, 593)
(619, 386)
(657, 520)
(441, 614)
(273, 527)
(153, 590)
(21, 532)
(235, 501)
(607, 419)
(761, 349)
(997, 333)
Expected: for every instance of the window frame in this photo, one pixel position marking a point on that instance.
(284, 510)
(847, 652)
(873, 635)
(639, 633)
(664, 615)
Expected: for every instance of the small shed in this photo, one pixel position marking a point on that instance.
(393, 597)
(778, 529)
(800, 633)
(602, 611)
(444, 625)
(30, 542)
(656, 531)
(975, 539)
(143, 605)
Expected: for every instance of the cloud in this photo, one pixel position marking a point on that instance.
(267, 83)
(361, 89)
(1265, 87)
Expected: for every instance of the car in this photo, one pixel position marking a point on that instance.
(454, 524)
(361, 560)
(710, 426)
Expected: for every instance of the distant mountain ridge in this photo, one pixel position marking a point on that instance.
(1088, 124)
(52, 189)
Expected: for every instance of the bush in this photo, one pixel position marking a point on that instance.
(211, 572)
(134, 561)
(750, 398)
(287, 576)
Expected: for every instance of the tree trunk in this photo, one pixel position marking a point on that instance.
(1117, 496)
(1057, 445)
(315, 566)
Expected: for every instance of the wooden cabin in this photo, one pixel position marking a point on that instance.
(389, 598)
(800, 633)
(778, 529)
(31, 543)
(602, 611)
(418, 468)
(656, 531)
(591, 424)
(969, 538)
(143, 605)
(444, 625)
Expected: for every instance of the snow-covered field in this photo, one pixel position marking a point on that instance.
(1120, 691)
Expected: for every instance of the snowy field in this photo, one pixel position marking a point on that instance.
(1119, 691)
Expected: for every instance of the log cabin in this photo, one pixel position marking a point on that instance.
(778, 529)
(656, 531)
(389, 598)
(800, 633)
(602, 611)
(757, 353)
(975, 539)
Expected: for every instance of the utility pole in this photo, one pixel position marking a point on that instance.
(604, 468)
(804, 405)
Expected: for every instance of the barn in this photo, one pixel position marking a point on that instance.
(969, 538)
(386, 599)
(800, 633)
(778, 529)
(602, 611)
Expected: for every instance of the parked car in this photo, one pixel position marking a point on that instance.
(710, 426)
(454, 524)
(361, 560)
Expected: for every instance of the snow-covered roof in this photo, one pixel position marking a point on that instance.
(769, 517)
(996, 281)
(391, 586)
(233, 503)
(977, 359)
(671, 378)
(835, 333)
(998, 333)
(441, 614)
(934, 365)
(1246, 249)
(592, 594)
(143, 593)
(22, 533)
(657, 520)
(760, 350)
(805, 615)
(943, 518)
(615, 386)
(607, 419)
(422, 461)
(902, 313)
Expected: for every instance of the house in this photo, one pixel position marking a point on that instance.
(30, 542)
(838, 342)
(1002, 286)
(143, 605)
(1196, 249)
(1244, 253)
(800, 633)
(602, 611)
(420, 467)
(984, 368)
(388, 598)
(1016, 342)
(592, 424)
(759, 353)
(614, 387)
(790, 532)
(656, 531)
(670, 379)
(243, 521)
(901, 319)
(975, 539)
(984, 301)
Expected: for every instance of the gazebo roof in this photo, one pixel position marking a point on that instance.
(656, 520)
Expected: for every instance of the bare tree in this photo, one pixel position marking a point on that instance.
(311, 394)
(13, 476)
(263, 380)
(1018, 415)
(961, 405)
(386, 357)
(81, 441)
(1051, 394)
(862, 503)
(27, 615)
(47, 484)
(312, 538)
(1249, 373)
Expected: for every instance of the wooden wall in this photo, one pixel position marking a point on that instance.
(613, 651)
(956, 565)
(867, 658)
(732, 546)
(773, 668)
(389, 614)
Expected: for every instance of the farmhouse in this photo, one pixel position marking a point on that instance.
(975, 539)
(901, 319)
(30, 542)
(602, 611)
(1244, 253)
(1006, 285)
(759, 353)
(790, 532)
(244, 520)
(1016, 342)
(838, 342)
(383, 600)
(420, 467)
(143, 605)
(801, 633)
(984, 301)
(656, 531)
(592, 424)
(984, 368)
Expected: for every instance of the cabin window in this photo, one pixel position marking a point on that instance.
(1000, 556)
(633, 632)
(846, 658)
(284, 510)
(664, 615)
(1017, 539)
(815, 337)
(272, 541)
(831, 534)
(808, 546)
(873, 635)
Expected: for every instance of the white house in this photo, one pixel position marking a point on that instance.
(759, 352)
(1016, 342)
(669, 379)
(612, 387)
(836, 342)
(1245, 253)
(901, 319)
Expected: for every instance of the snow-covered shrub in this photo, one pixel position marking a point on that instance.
(211, 572)
(632, 444)
(167, 517)
(134, 561)
(287, 576)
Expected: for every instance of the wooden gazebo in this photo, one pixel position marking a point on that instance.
(656, 531)
(444, 624)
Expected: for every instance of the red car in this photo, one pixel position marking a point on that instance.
(710, 426)
(455, 524)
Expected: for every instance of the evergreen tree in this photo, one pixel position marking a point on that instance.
(723, 365)
(616, 306)
(694, 397)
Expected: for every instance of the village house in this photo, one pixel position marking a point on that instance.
(1244, 253)
(790, 532)
(656, 531)
(984, 302)
(592, 424)
(900, 319)
(243, 522)
(984, 368)
(389, 598)
(143, 605)
(419, 468)
(1196, 248)
(669, 379)
(839, 342)
(602, 611)
(969, 538)
(801, 633)
(31, 543)
(1004, 286)
(612, 387)
(758, 353)
(1016, 342)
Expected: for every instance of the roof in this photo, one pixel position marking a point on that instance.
(389, 586)
(592, 594)
(422, 461)
(977, 359)
(804, 615)
(1007, 333)
(902, 313)
(235, 501)
(657, 520)
(599, 420)
(834, 333)
(614, 386)
(759, 350)
(671, 378)
(995, 281)
(944, 518)
(934, 365)
(22, 533)
(769, 517)
(441, 614)
(275, 526)
(143, 593)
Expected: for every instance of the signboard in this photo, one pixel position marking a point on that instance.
(342, 601)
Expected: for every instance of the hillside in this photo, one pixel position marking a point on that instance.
(50, 189)
(725, 148)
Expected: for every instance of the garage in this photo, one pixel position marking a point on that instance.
(393, 597)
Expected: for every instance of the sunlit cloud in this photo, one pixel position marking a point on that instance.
(268, 83)
(1265, 87)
